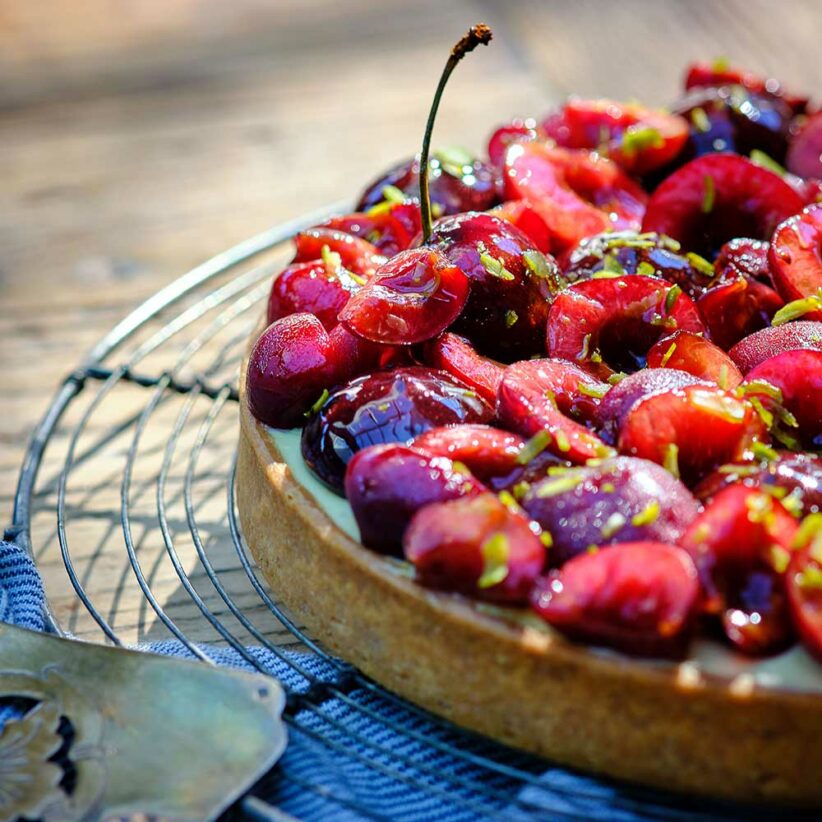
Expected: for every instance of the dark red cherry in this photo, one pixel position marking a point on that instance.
(387, 484)
(411, 298)
(458, 357)
(744, 257)
(459, 182)
(552, 399)
(760, 346)
(804, 587)
(795, 479)
(609, 324)
(805, 150)
(475, 546)
(523, 217)
(512, 283)
(486, 451)
(637, 138)
(735, 308)
(576, 192)
(696, 355)
(691, 430)
(622, 397)
(617, 500)
(382, 228)
(717, 197)
(741, 531)
(796, 260)
(317, 288)
(387, 406)
(638, 597)
(626, 252)
(790, 382)
(356, 255)
(289, 366)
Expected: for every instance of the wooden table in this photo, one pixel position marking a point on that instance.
(138, 139)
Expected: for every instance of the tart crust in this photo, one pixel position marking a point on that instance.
(530, 689)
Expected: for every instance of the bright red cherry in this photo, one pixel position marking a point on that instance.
(795, 257)
(804, 586)
(458, 357)
(692, 353)
(390, 229)
(523, 217)
(761, 345)
(356, 255)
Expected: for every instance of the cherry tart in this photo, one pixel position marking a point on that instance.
(534, 438)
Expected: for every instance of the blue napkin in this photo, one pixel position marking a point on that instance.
(363, 763)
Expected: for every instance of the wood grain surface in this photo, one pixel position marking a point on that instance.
(138, 139)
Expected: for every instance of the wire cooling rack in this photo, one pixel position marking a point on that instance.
(126, 494)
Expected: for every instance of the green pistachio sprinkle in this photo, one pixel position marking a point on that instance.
(798, 308)
(613, 525)
(637, 139)
(511, 318)
(560, 485)
(648, 515)
(562, 442)
(700, 264)
(670, 461)
(667, 355)
(331, 260)
(646, 269)
(495, 268)
(763, 452)
(700, 120)
(596, 391)
(766, 161)
(533, 447)
(495, 551)
(318, 404)
(709, 194)
(671, 297)
(611, 264)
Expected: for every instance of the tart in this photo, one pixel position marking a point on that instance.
(548, 464)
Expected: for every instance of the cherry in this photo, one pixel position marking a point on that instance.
(517, 131)
(458, 357)
(317, 288)
(719, 74)
(486, 451)
(411, 298)
(389, 230)
(735, 308)
(609, 324)
(387, 406)
(790, 382)
(576, 192)
(804, 587)
(696, 355)
(637, 138)
(638, 597)
(691, 430)
(744, 257)
(805, 150)
(289, 366)
(356, 255)
(761, 345)
(523, 217)
(476, 546)
(629, 391)
(626, 252)
(512, 283)
(617, 500)
(716, 197)
(796, 260)
(387, 484)
(796, 479)
(759, 622)
(544, 398)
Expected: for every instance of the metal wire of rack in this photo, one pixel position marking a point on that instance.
(136, 452)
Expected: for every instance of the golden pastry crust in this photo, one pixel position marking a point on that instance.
(530, 689)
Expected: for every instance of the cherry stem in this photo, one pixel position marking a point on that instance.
(476, 35)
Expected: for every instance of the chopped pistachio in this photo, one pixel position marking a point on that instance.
(670, 461)
(546, 539)
(648, 515)
(700, 120)
(763, 452)
(646, 269)
(668, 354)
(671, 297)
(709, 194)
(521, 489)
(596, 391)
(495, 551)
(511, 318)
(637, 139)
(559, 485)
(613, 525)
(533, 447)
(495, 268)
(798, 308)
(766, 161)
(562, 441)
(318, 404)
(698, 262)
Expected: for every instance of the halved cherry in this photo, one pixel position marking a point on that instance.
(720, 74)
(475, 546)
(736, 308)
(796, 260)
(545, 398)
(626, 252)
(744, 257)
(512, 283)
(458, 357)
(717, 197)
(690, 430)
(486, 451)
(382, 229)
(609, 324)
(576, 192)
(758, 623)
(741, 530)
(523, 217)
(692, 353)
(805, 150)
(617, 500)
(517, 131)
(411, 298)
(761, 345)
(319, 288)
(289, 366)
(638, 597)
(622, 397)
(804, 586)
(789, 387)
(637, 138)
(356, 254)
(387, 484)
